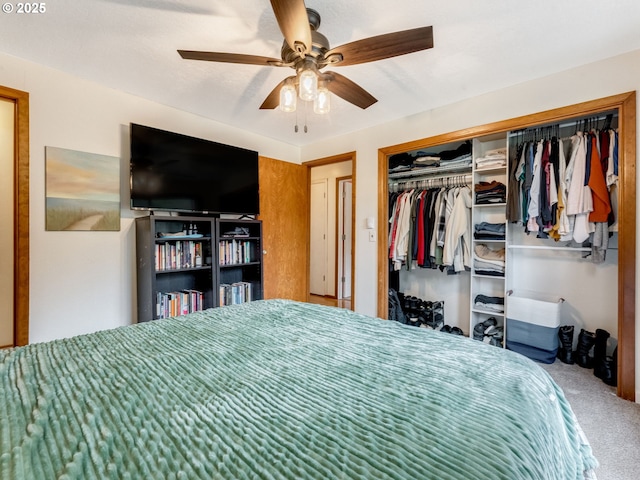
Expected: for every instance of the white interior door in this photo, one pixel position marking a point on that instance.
(345, 237)
(319, 220)
(7, 119)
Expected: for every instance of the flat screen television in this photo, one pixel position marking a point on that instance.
(178, 173)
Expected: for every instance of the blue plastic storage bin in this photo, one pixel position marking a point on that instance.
(533, 320)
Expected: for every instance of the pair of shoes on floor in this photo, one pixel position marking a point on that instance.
(452, 330)
(489, 332)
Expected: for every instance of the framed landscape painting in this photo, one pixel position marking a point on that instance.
(82, 191)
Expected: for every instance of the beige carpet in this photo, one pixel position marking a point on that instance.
(611, 424)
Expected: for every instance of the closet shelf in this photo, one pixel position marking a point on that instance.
(494, 277)
(489, 205)
(458, 168)
(488, 312)
(550, 247)
(481, 171)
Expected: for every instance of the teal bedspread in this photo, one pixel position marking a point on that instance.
(278, 389)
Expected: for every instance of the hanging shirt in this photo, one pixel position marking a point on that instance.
(457, 243)
(534, 194)
(563, 226)
(579, 202)
(598, 185)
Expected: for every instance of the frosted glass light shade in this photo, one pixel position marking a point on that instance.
(288, 98)
(308, 85)
(322, 103)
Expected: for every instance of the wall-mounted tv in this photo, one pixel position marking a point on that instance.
(178, 173)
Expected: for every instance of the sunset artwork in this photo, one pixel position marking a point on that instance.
(82, 191)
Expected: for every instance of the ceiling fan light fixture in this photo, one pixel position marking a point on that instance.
(288, 99)
(322, 102)
(308, 84)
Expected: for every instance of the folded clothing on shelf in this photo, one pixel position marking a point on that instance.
(489, 303)
(489, 231)
(490, 192)
(493, 158)
(487, 261)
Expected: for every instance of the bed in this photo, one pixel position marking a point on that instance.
(278, 389)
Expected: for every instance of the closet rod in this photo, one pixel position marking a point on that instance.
(572, 123)
(548, 247)
(433, 182)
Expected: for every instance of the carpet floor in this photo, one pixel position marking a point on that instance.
(611, 424)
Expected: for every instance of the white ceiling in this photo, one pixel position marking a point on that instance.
(479, 46)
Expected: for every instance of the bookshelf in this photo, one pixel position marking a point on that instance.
(191, 263)
(239, 261)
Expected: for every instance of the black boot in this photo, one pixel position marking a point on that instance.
(600, 353)
(610, 369)
(565, 352)
(585, 342)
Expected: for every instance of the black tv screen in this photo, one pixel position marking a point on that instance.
(178, 173)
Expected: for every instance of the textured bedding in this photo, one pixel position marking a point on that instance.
(277, 389)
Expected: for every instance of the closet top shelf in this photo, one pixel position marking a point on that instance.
(449, 169)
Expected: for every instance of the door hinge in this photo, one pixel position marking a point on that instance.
(344, 237)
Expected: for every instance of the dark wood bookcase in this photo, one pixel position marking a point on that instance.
(189, 263)
(239, 263)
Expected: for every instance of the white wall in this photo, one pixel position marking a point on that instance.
(81, 282)
(612, 76)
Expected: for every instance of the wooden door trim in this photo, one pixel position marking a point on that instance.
(625, 103)
(21, 215)
(343, 157)
(338, 180)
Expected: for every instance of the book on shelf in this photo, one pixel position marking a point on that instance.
(233, 252)
(235, 293)
(178, 255)
(172, 304)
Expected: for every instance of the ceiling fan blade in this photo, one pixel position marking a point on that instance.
(273, 99)
(382, 46)
(294, 24)
(348, 90)
(230, 58)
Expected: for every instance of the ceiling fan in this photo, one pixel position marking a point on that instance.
(307, 51)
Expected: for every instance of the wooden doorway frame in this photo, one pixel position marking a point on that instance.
(343, 157)
(337, 279)
(625, 103)
(20, 215)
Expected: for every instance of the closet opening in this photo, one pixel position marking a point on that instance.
(532, 258)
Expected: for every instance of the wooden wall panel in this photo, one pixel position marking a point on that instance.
(284, 212)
